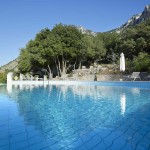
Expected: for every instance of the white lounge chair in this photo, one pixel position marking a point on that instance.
(22, 77)
(28, 76)
(134, 76)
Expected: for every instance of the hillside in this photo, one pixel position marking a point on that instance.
(10, 66)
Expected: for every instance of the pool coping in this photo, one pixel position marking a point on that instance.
(137, 84)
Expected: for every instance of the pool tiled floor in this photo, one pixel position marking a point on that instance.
(131, 134)
(43, 123)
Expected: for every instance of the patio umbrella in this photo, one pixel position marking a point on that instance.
(122, 62)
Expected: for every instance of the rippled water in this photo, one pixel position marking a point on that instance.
(74, 117)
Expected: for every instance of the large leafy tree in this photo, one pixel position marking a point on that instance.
(71, 46)
(62, 47)
(99, 49)
(96, 49)
(34, 56)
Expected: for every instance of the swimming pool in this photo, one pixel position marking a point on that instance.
(68, 117)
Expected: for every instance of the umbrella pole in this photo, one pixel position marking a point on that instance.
(121, 76)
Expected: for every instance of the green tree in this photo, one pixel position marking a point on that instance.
(3, 77)
(99, 49)
(128, 47)
(135, 40)
(142, 62)
(62, 47)
(71, 46)
(111, 41)
(24, 64)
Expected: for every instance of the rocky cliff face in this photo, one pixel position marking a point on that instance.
(136, 19)
(146, 13)
(86, 31)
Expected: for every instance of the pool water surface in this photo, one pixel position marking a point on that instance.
(69, 117)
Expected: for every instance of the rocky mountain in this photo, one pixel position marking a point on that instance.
(136, 19)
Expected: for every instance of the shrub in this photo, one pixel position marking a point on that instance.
(142, 62)
(3, 77)
(129, 66)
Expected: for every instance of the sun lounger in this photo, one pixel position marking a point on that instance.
(28, 77)
(22, 77)
(133, 76)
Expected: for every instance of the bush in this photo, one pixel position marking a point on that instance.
(129, 66)
(3, 77)
(142, 62)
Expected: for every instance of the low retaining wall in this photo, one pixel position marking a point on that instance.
(100, 77)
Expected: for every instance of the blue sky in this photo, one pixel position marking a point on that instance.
(20, 20)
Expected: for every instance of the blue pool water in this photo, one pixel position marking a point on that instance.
(69, 117)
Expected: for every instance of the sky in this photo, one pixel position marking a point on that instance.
(21, 20)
